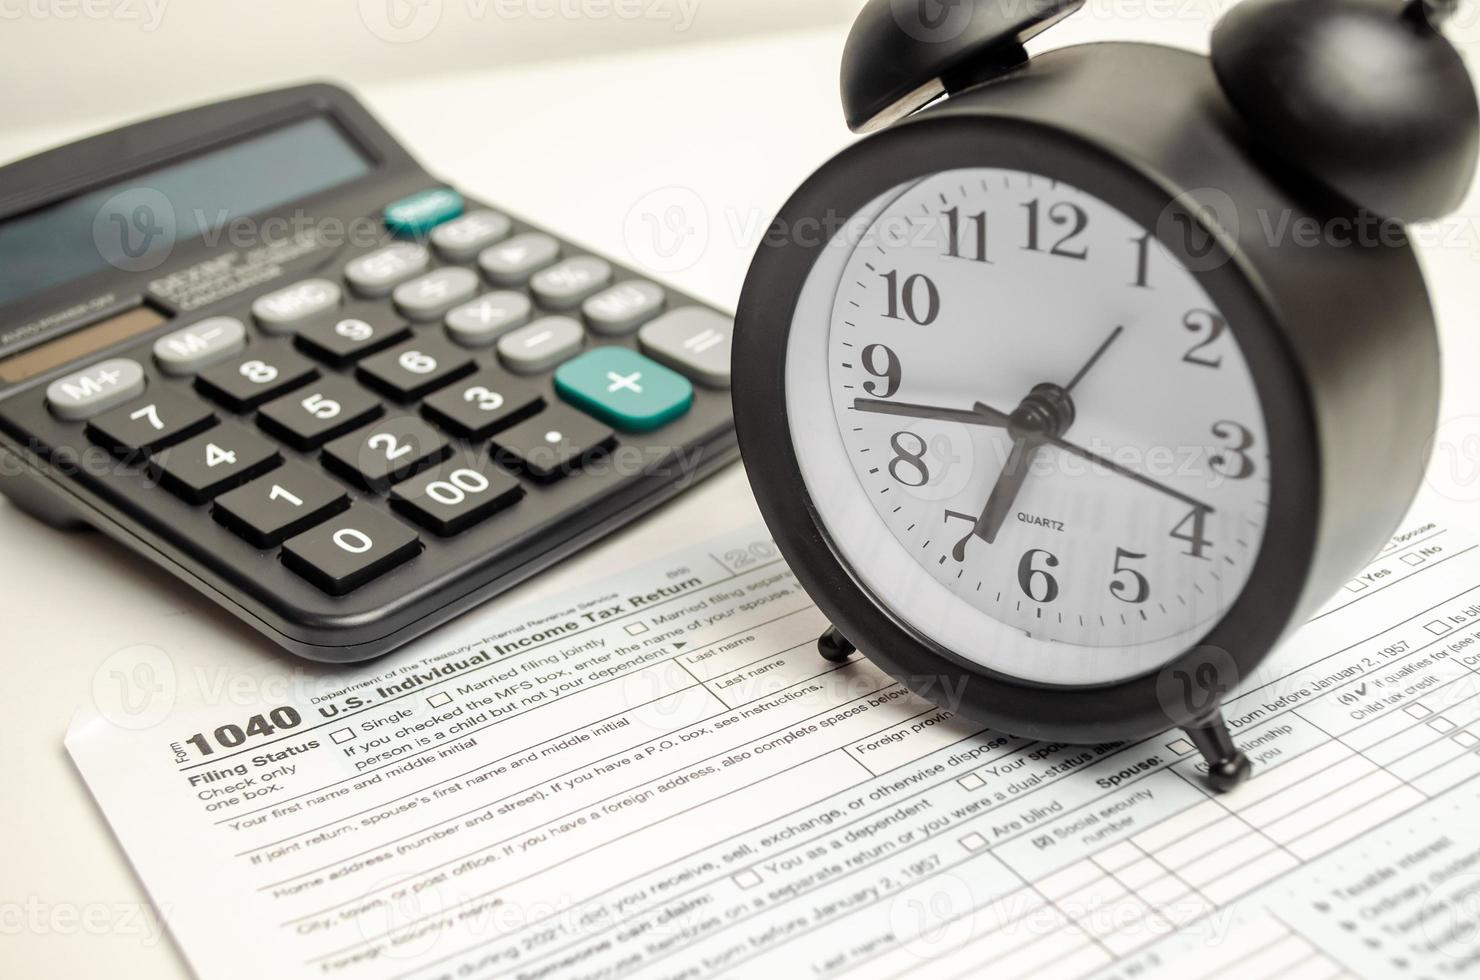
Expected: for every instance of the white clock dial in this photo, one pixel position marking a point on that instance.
(1028, 428)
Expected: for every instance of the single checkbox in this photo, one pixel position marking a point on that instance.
(636, 629)
(1438, 627)
(747, 879)
(437, 700)
(1418, 711)
(1413, 559)
(1180, 746)
(1442, 725)
(1355, 585)
(1467, 739)
(971, 781)
(342, 735)
(973, 842)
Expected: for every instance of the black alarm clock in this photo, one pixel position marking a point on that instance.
(1072, 389)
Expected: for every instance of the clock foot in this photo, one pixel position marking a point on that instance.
(834, 646)
(1227, 764)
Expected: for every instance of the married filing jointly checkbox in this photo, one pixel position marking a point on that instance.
(636, 629)
(438, 700)
(341, 735)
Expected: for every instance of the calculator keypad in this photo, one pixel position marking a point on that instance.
(257, 376)
(350, 549)
(150, 424)
(448, 398)
(318, 412)
(217, 460)
(386, 453)
(287, 501)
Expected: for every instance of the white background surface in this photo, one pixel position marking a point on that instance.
(726, 130)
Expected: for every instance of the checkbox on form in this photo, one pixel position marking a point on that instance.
(971, 781)
(438, 700)
(1438, 627)
(341, 736)
(636, 629)
(1418, 711)
(747, 879)
(1466, 740)
(1442, 725)
(1355, 585)
(973, 842)
(1413, 559)
(1180, 746)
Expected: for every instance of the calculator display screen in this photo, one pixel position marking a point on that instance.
(132, 225)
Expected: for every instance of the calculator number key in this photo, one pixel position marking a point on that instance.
(339, 340)
(285, 502)
(351, 549)
(456, 495)
(255, 377)
(482, 404)
(388, 453)
(414, 369)
(312, 415)
(148, 426)
(212, 463)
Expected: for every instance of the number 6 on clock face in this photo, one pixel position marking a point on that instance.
(1043, 446)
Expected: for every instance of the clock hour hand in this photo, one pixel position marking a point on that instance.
(1009, 484)
(980, 415)
(1114, 467)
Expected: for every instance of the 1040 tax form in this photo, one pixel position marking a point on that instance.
(658, 776)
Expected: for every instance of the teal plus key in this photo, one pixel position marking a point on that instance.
(624, 389)
(414, 216)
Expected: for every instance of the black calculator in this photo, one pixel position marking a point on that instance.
(257, 343)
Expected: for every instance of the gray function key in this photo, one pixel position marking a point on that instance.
(567, 285)
(511, 263)
(693, 341)
(489, 317)
(96, 389)
(624, 307)
(541, 345)
(199, 345)
(462, 238)
(280, 311)
(431, 295)
(384, 269)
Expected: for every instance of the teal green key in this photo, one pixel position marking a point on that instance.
(624, 389)
(414, 216)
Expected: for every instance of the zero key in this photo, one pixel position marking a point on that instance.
(349, 550)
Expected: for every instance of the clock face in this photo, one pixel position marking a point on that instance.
(1029, 430)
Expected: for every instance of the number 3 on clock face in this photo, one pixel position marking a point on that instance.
(1045, 449)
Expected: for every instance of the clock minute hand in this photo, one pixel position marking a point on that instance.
(1009, 485)
(1114, 467)
(980, 415)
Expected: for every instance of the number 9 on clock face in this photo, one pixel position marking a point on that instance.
(1036, 439)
